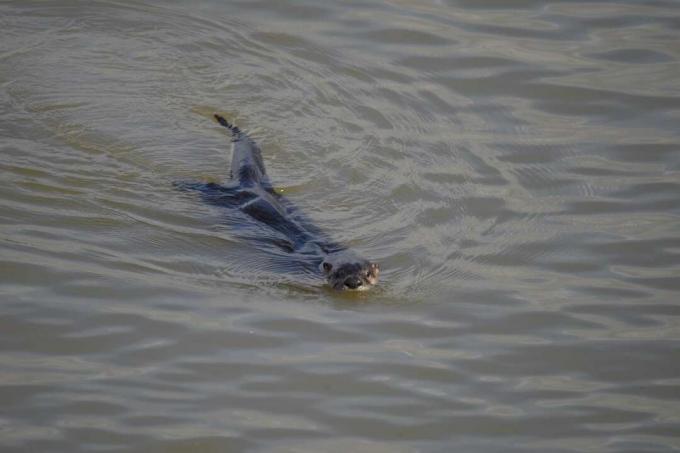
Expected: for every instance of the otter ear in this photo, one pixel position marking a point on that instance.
(327, 266)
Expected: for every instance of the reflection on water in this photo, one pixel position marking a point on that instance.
(514, 168)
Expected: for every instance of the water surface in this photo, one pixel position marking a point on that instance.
(513, 166)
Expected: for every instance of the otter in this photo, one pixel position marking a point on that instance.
(250, 191)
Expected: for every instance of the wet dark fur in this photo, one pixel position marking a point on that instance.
(250, 191)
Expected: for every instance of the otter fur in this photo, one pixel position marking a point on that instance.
(250, 191)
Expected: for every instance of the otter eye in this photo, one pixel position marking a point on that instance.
(327, 267)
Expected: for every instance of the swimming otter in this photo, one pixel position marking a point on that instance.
(251, 192)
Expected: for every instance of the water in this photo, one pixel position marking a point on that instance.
(513, 166)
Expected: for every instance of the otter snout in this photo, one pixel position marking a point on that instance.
(353, 282)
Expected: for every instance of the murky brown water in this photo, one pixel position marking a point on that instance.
(514, 166)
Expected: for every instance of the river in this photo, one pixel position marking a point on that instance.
(514, 167)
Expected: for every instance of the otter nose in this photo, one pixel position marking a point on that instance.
(353, 282)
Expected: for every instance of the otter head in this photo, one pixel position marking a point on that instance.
(345, 270)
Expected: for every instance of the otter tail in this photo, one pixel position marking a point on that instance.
(246, 162)
(235, 131)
